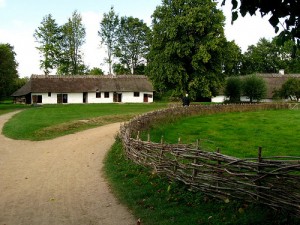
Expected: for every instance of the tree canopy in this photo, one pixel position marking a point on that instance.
(108, 30)
(132, 44)
(48, 36)
(284, 13)
(60, 46)
(187, 47)
(73, 33)
(254, 88)
(268, 57)
(291, 89)
(8, 70)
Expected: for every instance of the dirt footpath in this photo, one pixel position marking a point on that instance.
(58, 182)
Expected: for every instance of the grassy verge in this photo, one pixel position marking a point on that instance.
(237, 134)
(7, 107)
(49, 121)
(158, 201)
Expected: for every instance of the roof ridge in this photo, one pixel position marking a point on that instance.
(35, 76)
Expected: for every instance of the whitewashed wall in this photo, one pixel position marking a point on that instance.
(75, 98)
(219, 99)
(129, 97)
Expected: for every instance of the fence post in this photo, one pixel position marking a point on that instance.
(219, 173)
(195, 161)
(258, 183)
(161, 148)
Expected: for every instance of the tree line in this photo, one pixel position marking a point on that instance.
(184, 51)
(60, 46)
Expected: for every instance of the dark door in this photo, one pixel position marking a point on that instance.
(59, 99)
(119, 97)
(34, 99)
(85, 97)
(115, 97)
(145, 97)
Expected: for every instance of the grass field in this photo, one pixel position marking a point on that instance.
(49, 121)
(7, 106)
(237, 134)
(158, 201)
(152, 198)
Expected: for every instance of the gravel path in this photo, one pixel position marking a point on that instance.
(58, 182)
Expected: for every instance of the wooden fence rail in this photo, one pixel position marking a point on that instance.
(273, 181)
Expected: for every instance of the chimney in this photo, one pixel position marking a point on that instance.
(281, 72)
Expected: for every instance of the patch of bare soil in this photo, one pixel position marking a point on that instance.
(58, 182)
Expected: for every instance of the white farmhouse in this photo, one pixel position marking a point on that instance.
(51, 89)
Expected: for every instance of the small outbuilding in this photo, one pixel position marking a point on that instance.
(53, 89)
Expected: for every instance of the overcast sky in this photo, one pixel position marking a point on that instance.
(20, 18)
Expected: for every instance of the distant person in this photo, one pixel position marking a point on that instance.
(186, 100)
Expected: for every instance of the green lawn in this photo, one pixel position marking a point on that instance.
(7, 106)
(49, 121)
(237, 134)
(158, 201)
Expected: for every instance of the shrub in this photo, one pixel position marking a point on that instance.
(233, 89)
(254, 88)
(290, 89)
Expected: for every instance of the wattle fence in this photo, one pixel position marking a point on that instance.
(273, 181)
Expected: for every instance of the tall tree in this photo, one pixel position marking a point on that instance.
(73, 33)
(187, 47)
(268, 57)
(132, 45)
(48, 36)
(8, 69)
(262, 58)
(108, 29)
(233, 60)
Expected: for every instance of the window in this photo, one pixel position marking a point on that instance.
(49, 94)
(65, 98)
(150, 96)
(98, 94)
(39, 99)
(136, 94)
(106, 94)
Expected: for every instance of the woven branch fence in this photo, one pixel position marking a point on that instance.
(272, 181)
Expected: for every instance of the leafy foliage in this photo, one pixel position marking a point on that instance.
(254, 88)
(48, 35)
(120, 69)
(269, 57)
(8, 70)
(132, 44)
(73, 33)
(280, 10)
(233, 60)
(291, 89)
(233, 89)
(107, 33)
(95, 71)
(187, 47)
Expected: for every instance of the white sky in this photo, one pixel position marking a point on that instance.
(20, 18)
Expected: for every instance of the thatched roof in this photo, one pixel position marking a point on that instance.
(274, 81)
(87, 83)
